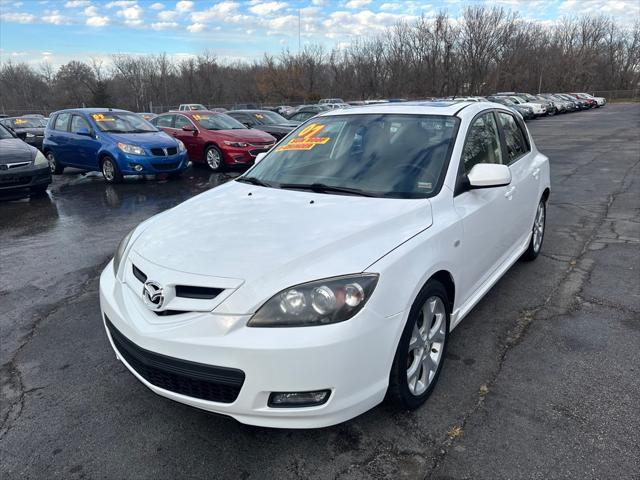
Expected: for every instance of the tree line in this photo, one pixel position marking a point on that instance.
(487, 50)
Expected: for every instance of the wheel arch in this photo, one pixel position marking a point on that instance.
(545, 194)
(446, 279)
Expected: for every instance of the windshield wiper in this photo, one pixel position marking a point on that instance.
(322, 188)
(253, 181)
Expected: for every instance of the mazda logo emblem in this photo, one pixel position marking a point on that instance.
(153, 295)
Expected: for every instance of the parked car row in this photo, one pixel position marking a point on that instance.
(118, 142)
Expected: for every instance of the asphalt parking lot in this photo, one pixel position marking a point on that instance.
(542, 380)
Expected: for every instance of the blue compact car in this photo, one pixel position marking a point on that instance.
(115, 142)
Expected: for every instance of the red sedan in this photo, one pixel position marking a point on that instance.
(215, 138)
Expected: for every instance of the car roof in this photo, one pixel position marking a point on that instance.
(250, 110)
(93, 110)
(190, 113)
(416, 108)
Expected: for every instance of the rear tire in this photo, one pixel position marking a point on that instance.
(421, 349)
(110, 170)
(537, 233)
(54, 166)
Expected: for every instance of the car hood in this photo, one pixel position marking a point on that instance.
(271, 239)
(246, 135)
(150, 139)
(15, 150)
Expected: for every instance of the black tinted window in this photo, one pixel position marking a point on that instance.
(483, 143)
(62, 121)
(513, 137)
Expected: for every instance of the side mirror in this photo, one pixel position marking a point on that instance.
(84, 131)
(248, 124)
(188, 128)
(489, 175)
(259, 157)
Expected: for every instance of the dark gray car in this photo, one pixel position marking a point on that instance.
(22, 167)
(267, 121)
(30, 129)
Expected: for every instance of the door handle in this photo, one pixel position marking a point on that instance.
(509, 193)
(536, 173)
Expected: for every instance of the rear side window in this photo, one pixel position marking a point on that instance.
(163, 121)
(62, 122)
(514, 137)
(78, 122)
(482, 144)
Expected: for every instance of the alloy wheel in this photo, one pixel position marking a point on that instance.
(213, 159)
(52, 162)
(426, 345)
(108, 170)
(538, 227)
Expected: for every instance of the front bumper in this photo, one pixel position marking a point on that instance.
(24, 177)
(352, 358)
(243, 155)
(151, 165)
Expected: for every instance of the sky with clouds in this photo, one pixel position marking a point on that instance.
(57, 31)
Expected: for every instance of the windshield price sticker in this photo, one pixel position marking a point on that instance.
(99, 117)
(19, 121)
(200, 117)
(306, 139)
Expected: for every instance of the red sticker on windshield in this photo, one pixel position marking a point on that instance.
(306, 139)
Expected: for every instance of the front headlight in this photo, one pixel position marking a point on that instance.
(321, 302)
(122, 246)
(40, 160)
(132, 149)
(181, 147)
(236, 144)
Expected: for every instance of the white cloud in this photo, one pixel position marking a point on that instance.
(167, 15)
(18, 17)
(157, 6)
(279, 23)
(164, 25)
(357, 3)
(91, 11)
(121, 3)
(223, 12)
(97, 21)
(390, 6)
(184, 6)
(319, 3)
(267, 8)
(196, 27)
(54, 18)
(132, 15)
(76, 3)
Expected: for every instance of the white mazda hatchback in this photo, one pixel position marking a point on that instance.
(331, 274)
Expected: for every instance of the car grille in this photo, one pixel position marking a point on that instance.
(163, 152)
(14, 181)
(197, 380)
(165, 166)
(253, 153)
(260, 144)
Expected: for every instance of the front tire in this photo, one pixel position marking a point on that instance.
(537, 233)
(213, 158)
(422, 348)
(54, 166)
(110, 170)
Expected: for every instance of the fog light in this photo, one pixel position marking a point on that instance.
(298, 399)
(136, 167)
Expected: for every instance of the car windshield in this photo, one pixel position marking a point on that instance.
(4, 133)
(217, 121)
(382, 155)
(119, 122)
(25, 122)
(269, 118)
